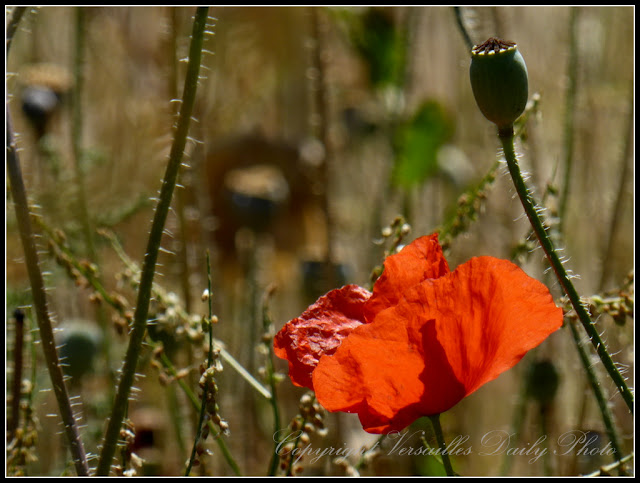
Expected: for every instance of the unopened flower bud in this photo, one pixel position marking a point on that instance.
(499, 81)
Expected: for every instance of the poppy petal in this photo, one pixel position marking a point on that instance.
(381, 372)
(489, 314)
(421, 260)
(319, 330)
(444, 339)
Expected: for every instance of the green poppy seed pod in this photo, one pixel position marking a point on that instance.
(499, 81)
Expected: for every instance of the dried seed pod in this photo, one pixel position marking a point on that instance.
(499, 81)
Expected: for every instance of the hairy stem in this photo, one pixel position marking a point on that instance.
(507, 139)
(155, 238)
(38, 292)
(607, 417)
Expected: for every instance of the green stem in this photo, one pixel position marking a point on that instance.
(569, 115)
(626, 175)
(607, 417)
(203, 404)
(77, 122)
(155, 238)
(507, 139)
(76, 134)
(38, 292)
(195, 403)
(435, 421)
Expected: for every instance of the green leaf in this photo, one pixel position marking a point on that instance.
(380, 44)
(417, 142)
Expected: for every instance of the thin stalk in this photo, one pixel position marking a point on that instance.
(195, 403)
(18, 360)
(172, 87)
(77, 123)
(463, 29)
(267, 328)
(322, 133)
(435, 421)
(625, 176)
(76, 133)
(520, 413)
(572, 75)
(507, 139)
(203, 404)
(606, 470)
(38, 292)
(12, 26)
(607, 417)
(155, 238)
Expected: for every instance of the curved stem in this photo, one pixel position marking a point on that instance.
(153, 246)
(435, 421)
(507, 140)
(463, 28)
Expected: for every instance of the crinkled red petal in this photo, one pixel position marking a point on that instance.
(319, 331)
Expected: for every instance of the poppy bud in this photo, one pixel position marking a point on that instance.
(499, 81)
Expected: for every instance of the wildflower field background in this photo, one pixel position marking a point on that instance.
(318, 136)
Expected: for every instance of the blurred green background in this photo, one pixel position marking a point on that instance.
(306, 142)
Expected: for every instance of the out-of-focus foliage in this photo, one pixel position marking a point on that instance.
(417, 142)
(375, 35)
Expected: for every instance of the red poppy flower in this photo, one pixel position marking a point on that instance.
(425, 339)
